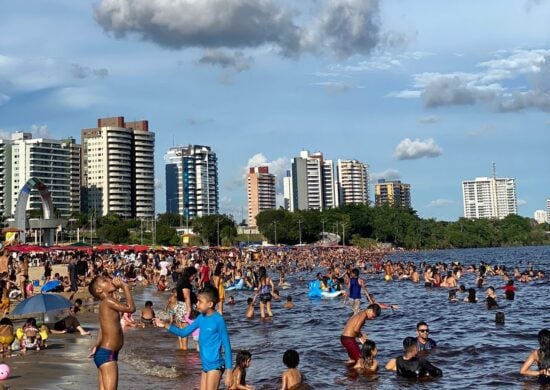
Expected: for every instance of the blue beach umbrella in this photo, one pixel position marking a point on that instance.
(42, 303)
(51, 285)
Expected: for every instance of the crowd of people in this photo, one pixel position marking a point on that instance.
(198, 282)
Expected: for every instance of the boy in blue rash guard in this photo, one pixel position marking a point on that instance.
(213, 336)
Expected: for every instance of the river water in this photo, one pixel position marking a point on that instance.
(473, 351)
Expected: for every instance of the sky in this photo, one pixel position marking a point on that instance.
(428, 92)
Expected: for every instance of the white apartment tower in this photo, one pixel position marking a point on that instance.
(548, 210)
(191, 174)
(353, 182)
(313, 183)
(487, 197)
(260, 191)
(287, 191)
(50, 161)
(118, 168)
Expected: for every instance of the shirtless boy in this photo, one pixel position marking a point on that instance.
(352, 330)
(110, 338)
(147, 314)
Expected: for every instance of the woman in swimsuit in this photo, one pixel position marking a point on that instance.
(541, 357)
(265, 287)
(217, 282)
(185, 300)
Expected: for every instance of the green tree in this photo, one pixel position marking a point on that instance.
(210, 227)
(166, 235)
(169, 219)
(117, 234)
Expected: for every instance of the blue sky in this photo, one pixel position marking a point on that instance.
(428, 92)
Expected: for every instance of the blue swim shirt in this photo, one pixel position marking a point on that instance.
(212, 337)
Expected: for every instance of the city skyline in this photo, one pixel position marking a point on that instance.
(406, 89)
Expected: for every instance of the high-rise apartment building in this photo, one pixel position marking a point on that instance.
(393, 193)
(540, 216)
(487, 197)
(191, 181)
(548, 210)
(118, 168)
(51, 161)
(287, 190)
(5, 177)
(313, 183)
(353, 182)
(260, 190)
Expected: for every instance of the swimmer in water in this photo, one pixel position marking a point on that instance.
(540, 357)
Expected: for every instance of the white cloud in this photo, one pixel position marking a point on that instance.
(405, 94)
(430, 119)
(482, 131)
(237, 61)
(339, 27)
(40, 131)
(388, 174)
(334, 87)
(277, 167)
(411, 150)
(382, 61)
(512, 81)
(440, 203)
(521, 202)
(158, 184)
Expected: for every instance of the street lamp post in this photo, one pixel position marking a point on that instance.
(323, 234)
(275, 224)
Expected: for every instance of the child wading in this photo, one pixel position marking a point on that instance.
(212, 338)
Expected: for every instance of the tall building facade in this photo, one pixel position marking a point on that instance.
(313, 183)
(118, 168)
(548, 210)
(353, 182)
(287, 190)
(191, 174)
(540, 216)
(54, 162)
(5, 177)
(260, 190)
(487, 197)
(393, 193)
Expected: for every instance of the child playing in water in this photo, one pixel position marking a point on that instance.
(242, 362)
(110, 338)
(367, 363)
(213, 337)
(540, 357)
(292, 376)
(250, 308)
(288, 304)
(147, 314)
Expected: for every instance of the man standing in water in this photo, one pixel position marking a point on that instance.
(352, 330)
(422, 337)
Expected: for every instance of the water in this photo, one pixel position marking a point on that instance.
(472, 351)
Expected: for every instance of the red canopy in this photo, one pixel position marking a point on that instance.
(28, 249)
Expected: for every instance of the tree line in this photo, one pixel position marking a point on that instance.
(358, 225)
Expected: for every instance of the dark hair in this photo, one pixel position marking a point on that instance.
(211, 293)
(78, 301)
(93, 286)
(218, 269)
(375, 307)
(148, 304)
(6, 321)
(291, 359)
(544, 350)
(289, 298)
(366, 352)
(249, 301)
(492, 303)
(355, 271)
(472, 295)
(409, 343)
(420, 324)
(242, 357)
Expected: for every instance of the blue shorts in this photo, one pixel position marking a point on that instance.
(104, 355)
